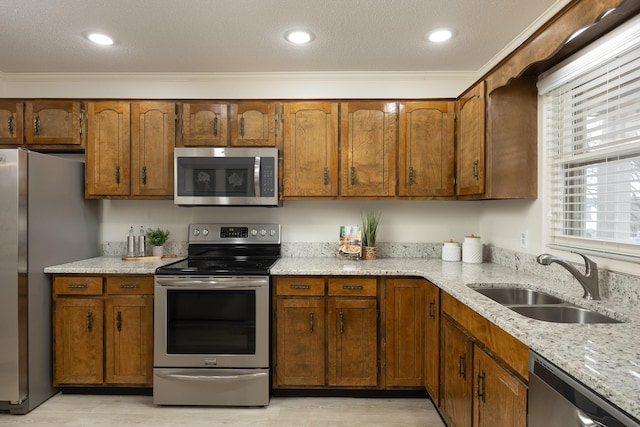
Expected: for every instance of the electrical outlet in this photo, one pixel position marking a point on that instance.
(524, 238)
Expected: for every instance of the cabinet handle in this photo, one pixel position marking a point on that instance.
(476, 169)
(432, 309)
(311, 322)
(10, 125)
(353, 287)
(78, 286)
(36, 125)
(215, 126)
(481, 386)
(326, 175)
(144, 175)
(341, 322)
(242, 126)
(353, 175)
(462, 365)
(129, 286)
(119, 321)
(410, 175)
(89, 321)
(117, 174)
(300, 286)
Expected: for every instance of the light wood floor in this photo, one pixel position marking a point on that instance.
(121, 411)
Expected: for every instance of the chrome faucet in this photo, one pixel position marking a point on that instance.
(588, 280)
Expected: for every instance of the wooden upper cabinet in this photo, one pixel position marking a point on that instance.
(108, 153)
(471, 141)
(203, 124)
(11, 124)
(254, 124)
(368, 153)
(426, 154)
(53, 123)
(152, 143)
(310, 149)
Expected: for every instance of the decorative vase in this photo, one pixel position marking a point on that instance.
(157, 250)
(369, 252)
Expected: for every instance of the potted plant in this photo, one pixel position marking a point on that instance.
(370, 222)
(157, 238)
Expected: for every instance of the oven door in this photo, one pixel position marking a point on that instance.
(213, 322)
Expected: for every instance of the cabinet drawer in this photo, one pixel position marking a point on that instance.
(77, 285)
(363, 287)
(300, 286)
(130, 285)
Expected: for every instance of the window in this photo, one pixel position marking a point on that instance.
(591, 132)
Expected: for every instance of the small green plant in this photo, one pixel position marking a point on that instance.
(157, 237)
(370, 221)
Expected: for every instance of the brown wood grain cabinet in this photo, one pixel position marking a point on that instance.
(203, 124)
(54, 124)
(11, 123)
(368, 133)
(310, 150)
(431, 375)
(471, 142)
(103, 330)
(255, 124)
(426, 149)
(404, 310)
(456, 375)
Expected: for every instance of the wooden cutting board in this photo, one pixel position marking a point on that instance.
(147, 258)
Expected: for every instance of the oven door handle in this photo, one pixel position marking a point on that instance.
(216, 378)
(213, 284)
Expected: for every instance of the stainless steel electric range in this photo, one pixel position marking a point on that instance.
(211, 318)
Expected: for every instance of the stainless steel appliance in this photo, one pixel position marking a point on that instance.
(211, 318)
(44, 220)
(233, 176)
(557, 399)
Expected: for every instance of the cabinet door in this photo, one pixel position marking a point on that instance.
(204, 124)
(129, 340)
(456, 376)
(108, 154)
(310, 157)
(11, 123)
(471, 141)
(300, 342)
(432, 342)
(426, 138)
(352, 342)
(153, 136)
(53, 123)
(404, 300)
(77, 341)
(254, 124)
(501, 398)
(368, 141)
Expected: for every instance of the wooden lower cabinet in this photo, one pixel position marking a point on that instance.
(431, 376)
(456, 377)
(103, 330)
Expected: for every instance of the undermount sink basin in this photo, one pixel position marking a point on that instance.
(518, 296)
(562, 314)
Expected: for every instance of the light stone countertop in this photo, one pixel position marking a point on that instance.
(605, 357)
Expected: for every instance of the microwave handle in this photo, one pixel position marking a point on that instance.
(256, 176)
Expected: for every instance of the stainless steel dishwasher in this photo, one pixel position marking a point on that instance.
(557, 399)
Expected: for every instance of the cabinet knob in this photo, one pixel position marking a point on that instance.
(341, 322)
(36, 125)
(215, 126)
(481, 386)
(117, 174)
(410, 175)
(10, 125)
(144, 175)
(242, 126)
(311, 322)
(89, 321)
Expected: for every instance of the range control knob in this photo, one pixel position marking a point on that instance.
(196, 232)
(272, 232)
(263, 232)
(254, 232)
(205, 232)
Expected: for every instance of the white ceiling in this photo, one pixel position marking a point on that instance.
(227, 36)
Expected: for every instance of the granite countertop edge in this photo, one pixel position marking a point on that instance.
(605, 357)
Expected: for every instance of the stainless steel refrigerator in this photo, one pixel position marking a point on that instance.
(44, 220)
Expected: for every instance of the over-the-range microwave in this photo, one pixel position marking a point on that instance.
(226, 176)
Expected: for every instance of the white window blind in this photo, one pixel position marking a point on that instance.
(591, 131)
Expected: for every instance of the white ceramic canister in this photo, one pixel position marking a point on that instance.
(451, 251)
(472, 249)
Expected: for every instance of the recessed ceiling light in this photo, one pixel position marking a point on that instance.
(299, 36)
(439, 36)
(99, 38)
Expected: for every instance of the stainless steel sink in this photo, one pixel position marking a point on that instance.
(518, 296)
(562, 314)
